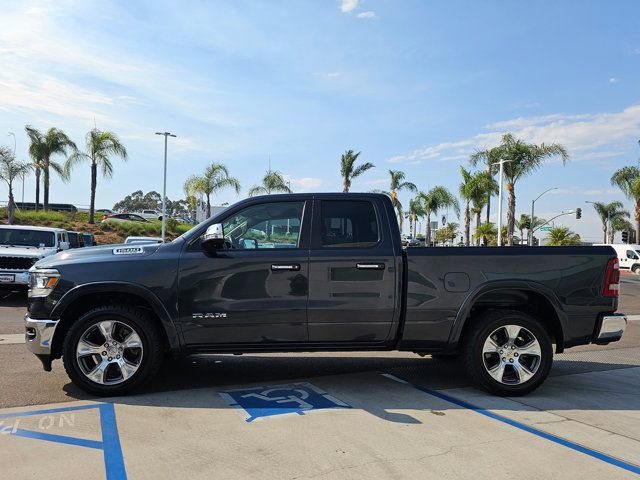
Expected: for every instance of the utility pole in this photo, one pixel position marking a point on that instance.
(164, 186)
(533, 203)
(501, 175)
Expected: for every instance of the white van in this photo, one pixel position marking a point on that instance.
(629, 256)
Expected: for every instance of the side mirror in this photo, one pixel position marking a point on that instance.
(213, 238)
(64, 245)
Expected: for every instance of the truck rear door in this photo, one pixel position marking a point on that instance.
(352, 271)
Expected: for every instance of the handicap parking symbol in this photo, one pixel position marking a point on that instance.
(272, 400)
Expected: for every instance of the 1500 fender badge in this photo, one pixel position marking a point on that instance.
(128, 251)
(209, 315)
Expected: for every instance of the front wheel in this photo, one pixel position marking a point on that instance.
(508, 352)
(112, 350)
(636, 269)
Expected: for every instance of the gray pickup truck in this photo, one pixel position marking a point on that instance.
(317, 272)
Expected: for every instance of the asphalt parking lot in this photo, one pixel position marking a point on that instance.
(334, 416)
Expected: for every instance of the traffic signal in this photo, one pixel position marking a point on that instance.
(625, 237)
(527, 225)
(578, 213)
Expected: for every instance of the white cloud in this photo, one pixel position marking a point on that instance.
(348, 6)
(367, 14)
(330, 75)
(304, 184)
(586, 136)
(614, 80)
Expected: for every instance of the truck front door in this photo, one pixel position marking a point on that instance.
(254, 290)
(352, 272)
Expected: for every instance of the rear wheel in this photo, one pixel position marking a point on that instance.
(508, 352)
(636, 269)
(112, 350)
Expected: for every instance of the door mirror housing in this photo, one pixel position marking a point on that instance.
(213, 238)
(64, 245)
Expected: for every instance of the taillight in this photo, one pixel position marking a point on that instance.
(611, 285)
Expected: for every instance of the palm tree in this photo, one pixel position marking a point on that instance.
(215, 178)
(523, 159)
(608, 212)
(415, 211)
(562, 236)
(347, 170)
(522, 223)
(628, 180)
(10, 169)
(434, 200)
(271, 182)
(100, 145)
(398, 184)
(41, 149)
(475, 189)
(489, 157)
(486, 231)
(619, 224)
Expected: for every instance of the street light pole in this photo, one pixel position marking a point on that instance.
(533, 203)
(501, 175)
(164, 186)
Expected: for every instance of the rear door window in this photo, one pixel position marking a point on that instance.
(348, 224)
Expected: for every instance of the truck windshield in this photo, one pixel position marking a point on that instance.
(27, 238)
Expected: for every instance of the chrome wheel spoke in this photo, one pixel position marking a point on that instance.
(497, 372)
(490, 346)
(98, 374)
(512, 332)
(523, 372)
(86, 348)
(533, 348)
(106, 329)
(132, 341)
(126, 369)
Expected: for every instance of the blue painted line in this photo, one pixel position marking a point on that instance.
(47, 411)
(110, 444)
(112, 450)
(548, 436)
(50, 437)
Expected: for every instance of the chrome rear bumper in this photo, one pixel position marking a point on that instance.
(612, 328)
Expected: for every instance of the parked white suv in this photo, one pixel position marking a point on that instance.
(21, 246)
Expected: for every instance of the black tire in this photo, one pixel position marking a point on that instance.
(151, 339)
(636, 269)
(474, 359)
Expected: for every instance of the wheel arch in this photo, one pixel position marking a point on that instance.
(530, 297)
(86, 297)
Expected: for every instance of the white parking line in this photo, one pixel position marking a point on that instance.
(11, 338)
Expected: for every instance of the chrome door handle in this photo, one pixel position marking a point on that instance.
(370, 266)
(293, 267)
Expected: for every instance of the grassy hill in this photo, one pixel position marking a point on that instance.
(105, 233)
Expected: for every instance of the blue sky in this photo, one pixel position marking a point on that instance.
(415, 85)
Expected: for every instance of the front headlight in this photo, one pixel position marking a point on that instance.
(42, 281)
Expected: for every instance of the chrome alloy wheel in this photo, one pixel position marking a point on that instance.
(511, 354)
(109, 352)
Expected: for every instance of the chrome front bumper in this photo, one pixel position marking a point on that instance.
(612, 328)
(20, 277)
(39, 335)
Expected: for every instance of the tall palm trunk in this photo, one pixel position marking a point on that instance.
(511, 213)
(604, 232)
(37, 188)
(467, 224)
(208, 205)
(488, 196)
(478, 220)
(345, 186)
(12, 205)
(45, 183)
(94, 181)
(427, 233)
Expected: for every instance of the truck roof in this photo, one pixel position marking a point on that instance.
(31, 227)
